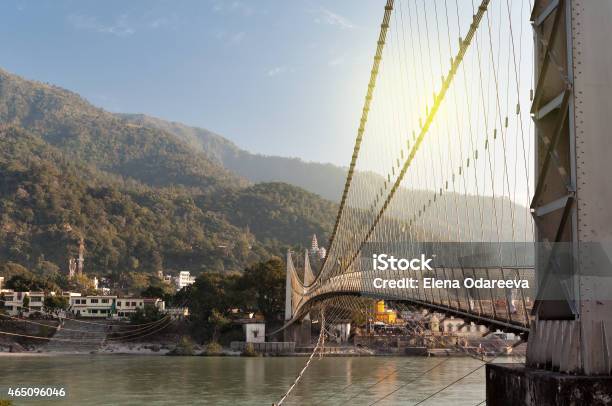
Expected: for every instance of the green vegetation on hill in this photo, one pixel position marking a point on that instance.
(326, 180)
(49, 201)
(91, 135)
(142, 199)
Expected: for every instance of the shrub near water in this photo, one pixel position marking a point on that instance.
(184, 347)
(249, 350)
(214, 348)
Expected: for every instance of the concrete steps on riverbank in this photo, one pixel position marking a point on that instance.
(78, 337)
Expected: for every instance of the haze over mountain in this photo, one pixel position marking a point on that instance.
(141, 197)
(326, 180)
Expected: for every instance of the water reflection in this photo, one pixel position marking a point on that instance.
(158, 380)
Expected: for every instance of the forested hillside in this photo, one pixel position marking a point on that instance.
(326, 180)
(142, 199)
(89, 134)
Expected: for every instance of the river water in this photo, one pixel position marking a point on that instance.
(161, 380)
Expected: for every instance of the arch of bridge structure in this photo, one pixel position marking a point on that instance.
(466, 303)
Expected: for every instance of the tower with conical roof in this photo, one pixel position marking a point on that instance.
(315, 244)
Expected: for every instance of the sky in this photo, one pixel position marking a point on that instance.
(276, 77)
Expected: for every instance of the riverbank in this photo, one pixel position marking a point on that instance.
(156, 349)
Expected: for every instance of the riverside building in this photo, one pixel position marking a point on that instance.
(107, 306)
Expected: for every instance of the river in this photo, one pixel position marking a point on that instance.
(161, 380)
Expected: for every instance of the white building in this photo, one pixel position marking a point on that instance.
(14, 306)
(184, 279)
(255, 332)
(109, 306)
(80, 306)
(92, 306)
(128, 306)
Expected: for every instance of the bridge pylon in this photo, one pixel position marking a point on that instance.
(569, 356)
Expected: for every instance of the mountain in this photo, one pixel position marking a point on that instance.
(326, 180)
(65, 120)
(141, 198)
(49, 200)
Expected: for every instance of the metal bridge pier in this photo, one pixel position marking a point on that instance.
(569, 356)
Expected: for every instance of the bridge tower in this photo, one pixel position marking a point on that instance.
(572, 330)
(299, 332)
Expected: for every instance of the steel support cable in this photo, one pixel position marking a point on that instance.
(484, 363)
(471, 151)
(405, 89)
(420, 178)
(474, 154)
(458, 380)
(364, 116)
(526, 153)
(451, 160)
(475, 150)
(75, 340)
(432, 114)
(517, 78)
(393, 121)
(445, 130)
(99, 323)
(504, 149)
(301, 373)
(517, 75)
(397, 111)
(358, 194)
(491, 162)
(59, 327)
(382, 379)
(148, 327)
(417, 332)
(419, 72)
(415, 379)
(427, 153)
(88, 322)
(410, 381)
(412, 203)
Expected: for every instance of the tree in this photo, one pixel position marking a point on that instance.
(266, 282)
(146, 315)
(158, 292)
(138, 281)
(219, 322)
(2, 299)
(11, 269)
(23, 283)
(53, 303)
(210, 300)
(82, 284)
(25, 306)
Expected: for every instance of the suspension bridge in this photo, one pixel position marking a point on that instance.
(483, 145)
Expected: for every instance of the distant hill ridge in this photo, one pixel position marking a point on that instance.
(326, 180)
